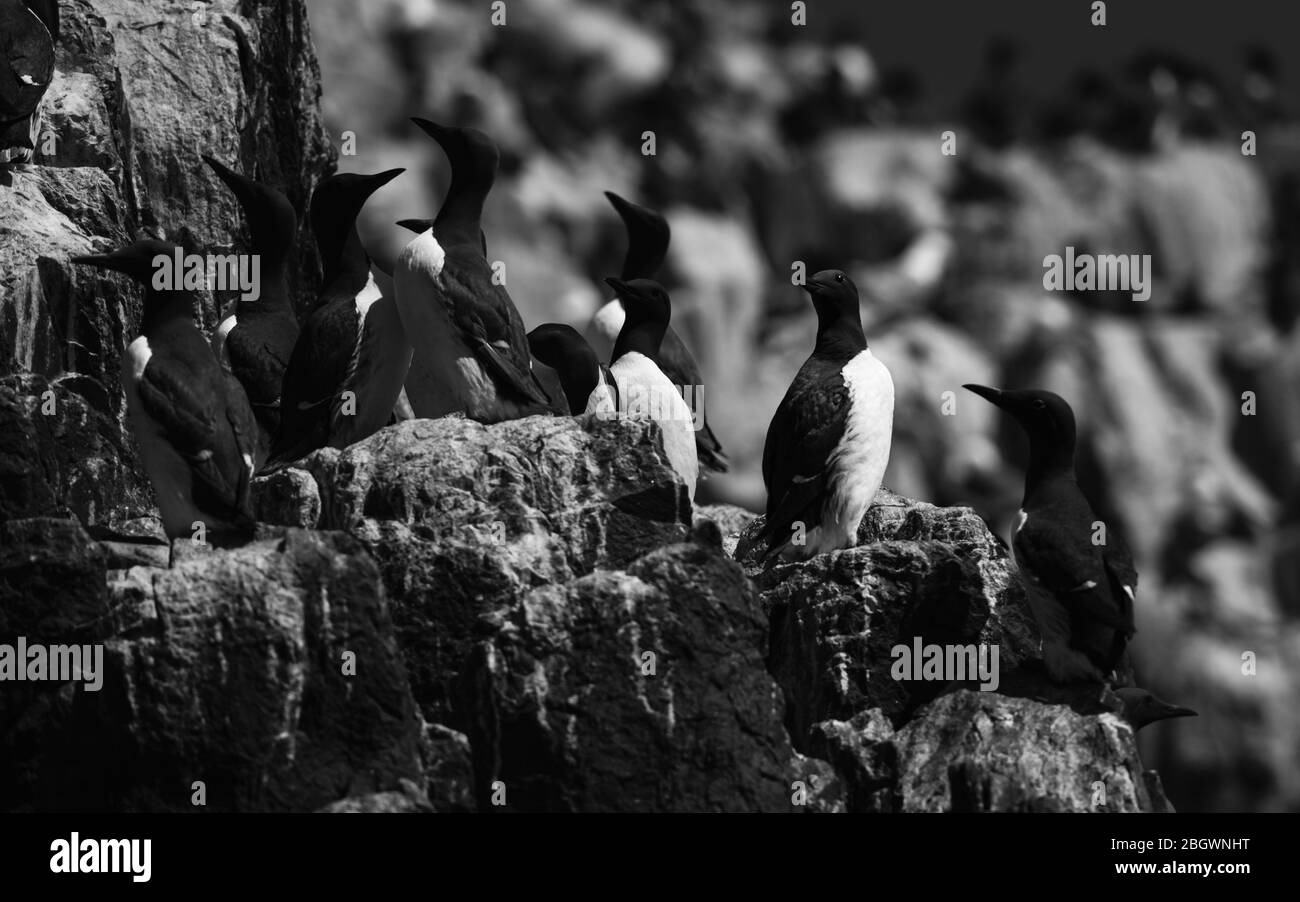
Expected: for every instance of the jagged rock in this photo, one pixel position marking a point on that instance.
(862, 751)
(639, 689)
(268, 673)
(449, 769)
(288, 498)
(731, 522)
(465, 519)
(51, 582)
(409, 800)
(818, 789)
(62, 454)
(917, 571)
(983, 751)
(980, 751)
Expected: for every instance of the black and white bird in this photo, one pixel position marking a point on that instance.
(256, 340)
(471, 353)
(31, 31)
(828, 444)
(648, 236)
(1078, 572)
(588, 385)
(195, 429)
(640, 390)
(352, 355)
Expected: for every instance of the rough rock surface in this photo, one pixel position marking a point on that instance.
(641, 689)
(269, 674)
(141, 90)
(918, 571)
(978, 751)
(937, 576)
(465, 519)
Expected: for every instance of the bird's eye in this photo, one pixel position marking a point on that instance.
(839, 277)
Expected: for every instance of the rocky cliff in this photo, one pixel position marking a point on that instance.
(527, 616)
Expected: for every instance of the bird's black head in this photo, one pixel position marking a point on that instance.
(647, 238)
(564, 350)
(335, 205)
(474, 156)
(272, 222)
(1049, 423)
(135, 260)
(141, 261)
(1141, 707)
(839, 324)
(1044, 415)
(648, 312)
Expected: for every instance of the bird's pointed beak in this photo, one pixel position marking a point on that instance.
(225, 172)
(992, 395)
(620, 287)
(1164, 711)
(379, 179)
(418, 226)
(240, 185)
(435, 131)
(627, 211)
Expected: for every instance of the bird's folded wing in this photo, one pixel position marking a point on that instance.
(677, 362)
(498, 339)
(804, 434)
(261, 372)
(1123, 575)
(1071, 568)
(191, 421)
(320, 360)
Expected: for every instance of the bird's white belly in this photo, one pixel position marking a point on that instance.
(601, 400)
(379, 367)
(645, 393)
(857, 466)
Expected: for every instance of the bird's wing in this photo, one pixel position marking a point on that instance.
(491, 326)
(677, 362)
(312, 381)
(1071, 568)
(803, 435)
(247, 439)
(192, 419)
(259, 366)
(1123, 575)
